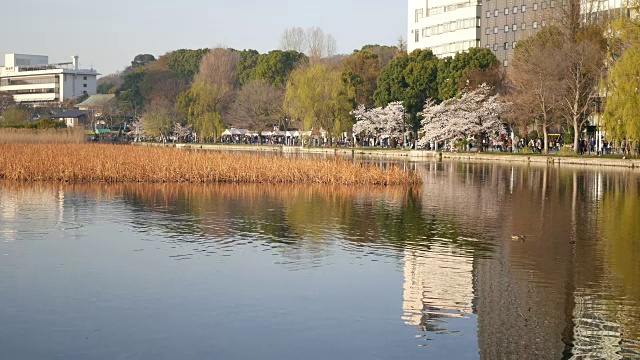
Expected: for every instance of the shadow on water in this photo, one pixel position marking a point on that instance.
(568, 287)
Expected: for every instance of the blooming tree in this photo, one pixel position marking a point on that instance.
(473, 115)
(181, 132)
(379, 121)
(138, 129)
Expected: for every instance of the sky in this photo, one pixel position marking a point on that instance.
(107, 34)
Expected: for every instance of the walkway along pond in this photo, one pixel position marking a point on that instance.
(414, 155)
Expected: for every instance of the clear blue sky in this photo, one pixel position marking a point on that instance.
(108, 34)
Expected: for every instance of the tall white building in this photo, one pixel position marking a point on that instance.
(444, 26)
(32, 79)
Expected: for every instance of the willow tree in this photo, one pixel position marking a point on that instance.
(622, 111)
(211, 93)
(315, 94)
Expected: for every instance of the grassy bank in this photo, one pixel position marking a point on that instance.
(41, 136)
(83, 163)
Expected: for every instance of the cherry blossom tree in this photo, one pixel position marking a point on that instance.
(388, 120)
(181, 132)
(138, 129)
(473, 116)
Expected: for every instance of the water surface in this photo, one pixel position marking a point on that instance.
(261, 272)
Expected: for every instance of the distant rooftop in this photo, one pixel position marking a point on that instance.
(96, 100)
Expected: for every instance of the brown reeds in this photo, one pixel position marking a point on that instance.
(41, 136)
(84, 163)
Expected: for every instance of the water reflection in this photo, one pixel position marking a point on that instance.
(570, 290)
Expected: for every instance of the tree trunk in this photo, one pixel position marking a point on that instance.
(546, 139)
(576, 136)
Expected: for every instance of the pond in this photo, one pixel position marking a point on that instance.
(312, 272)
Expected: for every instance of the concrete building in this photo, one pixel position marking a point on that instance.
(449, 26)
(505, 22)
(32, 79)
(444, 26)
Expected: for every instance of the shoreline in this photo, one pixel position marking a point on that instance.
(416, 155)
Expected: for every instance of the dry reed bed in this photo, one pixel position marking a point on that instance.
(83, 163)
(41, 136)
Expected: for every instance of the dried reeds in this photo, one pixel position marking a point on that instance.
(41, 136)
(84, 163)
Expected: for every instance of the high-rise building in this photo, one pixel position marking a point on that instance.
(32, 79)
(505, 22)
(444, 26)
(449, 26)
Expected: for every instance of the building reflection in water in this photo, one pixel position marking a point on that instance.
(437, 285)
(560, 293)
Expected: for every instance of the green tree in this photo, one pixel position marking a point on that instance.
(622, 111)
(454, 72)
(201, 106)
(186, 62)
(158, 119)
(360, 72)
(246, 64)
(12, 117)
(315, 94)
(130, 94)
(273, 67)
(410, 79)
(142, 60)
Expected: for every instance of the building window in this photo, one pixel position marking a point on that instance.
(535, 6)
(84, 85)
(418, 14)
(487, 46)
(524, 26)
(506, 46)
(514, 44)
(488, 14)
(524, 8)
(487, 31)
(506, 28)
(417, 35)
(515, 9)
(544, 23)
(85, 78)
(552, 3)
(535, 24)
(505, 63)
(506, 11)
(495, 47)
(495, 30)
(544, 4)
(515, 27)
(496, 13)
(84, 92)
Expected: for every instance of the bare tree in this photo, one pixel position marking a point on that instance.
(584, 70)
(257, 106)
(218, 70)
(294, 39)
(535, 74)
(314, 41)
(218, 67)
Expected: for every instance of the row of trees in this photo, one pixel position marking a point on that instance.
(303, 85)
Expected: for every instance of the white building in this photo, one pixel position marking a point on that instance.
(31, 79)
(444, 26)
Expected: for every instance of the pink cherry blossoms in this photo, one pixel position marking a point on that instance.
(388, 120)
(473, 115)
